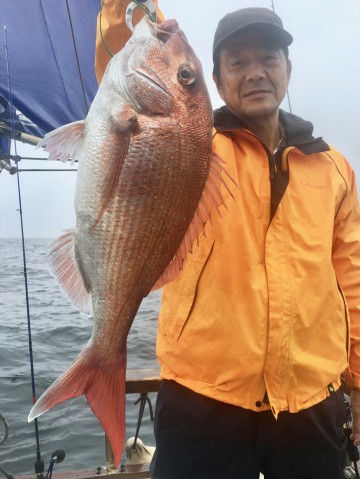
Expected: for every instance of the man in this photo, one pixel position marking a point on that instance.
(256, 332)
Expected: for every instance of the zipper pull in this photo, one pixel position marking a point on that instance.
(272, 167)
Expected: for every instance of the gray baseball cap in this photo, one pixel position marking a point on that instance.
(246, 19)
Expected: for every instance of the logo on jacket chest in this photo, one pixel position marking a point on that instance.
(312, 184)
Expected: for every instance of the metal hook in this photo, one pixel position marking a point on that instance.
(149, 5)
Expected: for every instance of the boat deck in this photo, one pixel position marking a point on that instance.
(141, 471)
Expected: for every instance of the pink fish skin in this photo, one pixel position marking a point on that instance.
(147, 181)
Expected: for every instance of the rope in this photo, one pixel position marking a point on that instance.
(77, 57)
(143, 399)
(39, 464)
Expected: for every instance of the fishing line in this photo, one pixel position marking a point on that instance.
(287, 91)
(39, 464)
(77, 57)
(139, 4)
(91, 29)
(101, 33)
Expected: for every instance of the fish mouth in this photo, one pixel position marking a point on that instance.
(163, 32)
(158, 84)
(166, 30)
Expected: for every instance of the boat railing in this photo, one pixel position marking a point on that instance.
(3, 436)
(142, 382)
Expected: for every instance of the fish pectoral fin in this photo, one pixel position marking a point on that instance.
(64, 142)
(212, 198)
(104, 389)
(64, 268)
(125, 127)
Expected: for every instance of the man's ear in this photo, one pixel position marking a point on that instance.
(218, 84)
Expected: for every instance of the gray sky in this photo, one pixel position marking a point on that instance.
(324, 89)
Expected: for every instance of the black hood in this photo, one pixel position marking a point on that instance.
(298, 132)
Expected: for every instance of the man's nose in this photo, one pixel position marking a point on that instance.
(255, 72)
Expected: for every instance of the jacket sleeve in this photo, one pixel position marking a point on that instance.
(114, 33)
(346, 261)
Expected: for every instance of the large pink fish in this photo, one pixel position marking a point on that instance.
(146, 183)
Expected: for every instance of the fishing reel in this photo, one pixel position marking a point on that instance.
(5, 164)
(56, 457)
(351, 469)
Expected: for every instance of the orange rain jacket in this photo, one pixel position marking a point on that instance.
(266, 312)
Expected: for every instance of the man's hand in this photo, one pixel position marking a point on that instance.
(355, 413)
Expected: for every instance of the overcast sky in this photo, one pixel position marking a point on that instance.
(324, 89)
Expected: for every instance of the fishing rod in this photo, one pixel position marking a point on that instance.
(287, 90)
(39, 463)
(77, 58)
(5, 164)
(18, 135)
(352, 451)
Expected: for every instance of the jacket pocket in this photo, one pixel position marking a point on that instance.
(180, 295)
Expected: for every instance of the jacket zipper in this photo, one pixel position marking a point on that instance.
(272, 166)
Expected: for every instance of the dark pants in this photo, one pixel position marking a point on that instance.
(200, 438)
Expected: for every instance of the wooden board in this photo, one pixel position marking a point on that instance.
(142, 381)
(92, 474)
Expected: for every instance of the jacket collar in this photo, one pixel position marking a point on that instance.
(298, 132)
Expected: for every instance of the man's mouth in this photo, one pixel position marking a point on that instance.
(256, 93)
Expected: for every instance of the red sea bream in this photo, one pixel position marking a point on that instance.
(146, 183)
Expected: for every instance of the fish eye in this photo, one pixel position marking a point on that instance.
(186, 75)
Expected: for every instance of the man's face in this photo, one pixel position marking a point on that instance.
(253, 76)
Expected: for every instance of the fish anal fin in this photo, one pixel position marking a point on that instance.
(104, 389)
(64, 268)
(124, 128)
(64, 143)
(211, 199)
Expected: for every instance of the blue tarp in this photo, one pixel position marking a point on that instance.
(47, 52)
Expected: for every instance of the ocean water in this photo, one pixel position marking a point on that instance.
(59, 332)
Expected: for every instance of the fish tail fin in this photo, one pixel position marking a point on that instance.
(104, 390)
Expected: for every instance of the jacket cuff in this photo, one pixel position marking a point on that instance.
(352, 380)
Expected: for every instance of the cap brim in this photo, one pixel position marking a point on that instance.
(279, 35)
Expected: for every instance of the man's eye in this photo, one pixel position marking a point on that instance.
(238, 63)
(270, 58)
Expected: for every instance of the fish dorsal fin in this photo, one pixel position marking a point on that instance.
(211, 199)
(64, 142)
(64, 268)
